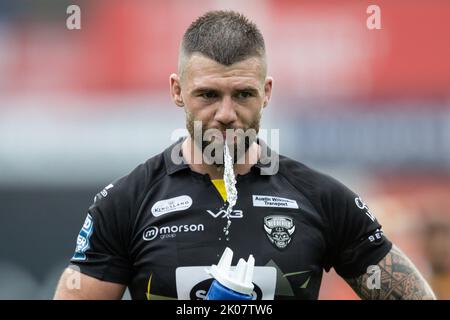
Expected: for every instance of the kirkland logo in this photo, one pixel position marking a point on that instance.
(171, 205)
(150, 233)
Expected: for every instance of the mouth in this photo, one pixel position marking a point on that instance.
(223, 136)
(231, 134)
(231, 138)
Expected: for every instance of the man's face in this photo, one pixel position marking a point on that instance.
(223, 97)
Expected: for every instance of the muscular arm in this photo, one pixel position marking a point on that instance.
(74, 285)
(399, 280)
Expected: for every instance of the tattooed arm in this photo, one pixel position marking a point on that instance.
(399, 280)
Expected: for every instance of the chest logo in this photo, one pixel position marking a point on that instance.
(223, 213)
(170, 205)
(279, 230)
(164, 232)
(273, 202)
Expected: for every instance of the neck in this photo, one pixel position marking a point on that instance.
(191, 151)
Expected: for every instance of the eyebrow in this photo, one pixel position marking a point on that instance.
(208, 89)
(203, 90)
(252, 90)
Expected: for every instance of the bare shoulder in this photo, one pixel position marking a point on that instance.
(395, 278)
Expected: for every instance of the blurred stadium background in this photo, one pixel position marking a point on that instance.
(79, 108)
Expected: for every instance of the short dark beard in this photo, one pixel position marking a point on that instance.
(248, 139)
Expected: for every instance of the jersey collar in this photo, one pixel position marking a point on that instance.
(172, 166)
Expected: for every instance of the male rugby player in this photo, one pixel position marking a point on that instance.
(156, 229)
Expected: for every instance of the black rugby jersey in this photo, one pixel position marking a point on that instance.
(158, 228)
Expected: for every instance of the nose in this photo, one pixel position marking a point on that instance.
(226, 113)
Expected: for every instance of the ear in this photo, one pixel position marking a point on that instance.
(175, 90)
(267, 90)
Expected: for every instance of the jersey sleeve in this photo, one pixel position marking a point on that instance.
(102, 244)
(356, 239)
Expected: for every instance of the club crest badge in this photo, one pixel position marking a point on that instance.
(279, 230)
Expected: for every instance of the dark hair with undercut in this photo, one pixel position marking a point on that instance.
(226, 37)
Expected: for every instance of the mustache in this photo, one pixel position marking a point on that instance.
(224, 129)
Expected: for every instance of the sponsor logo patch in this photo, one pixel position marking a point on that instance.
(102, 194)
(83, 239)
(377, 235)
(164, 232)
(193, 282)
(223, 213)
(273, 202)
(279, 230)
(171, 205)
(361, 205)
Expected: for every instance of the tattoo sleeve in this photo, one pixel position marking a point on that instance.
(398, 280)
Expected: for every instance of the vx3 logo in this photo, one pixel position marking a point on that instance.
(223, 213)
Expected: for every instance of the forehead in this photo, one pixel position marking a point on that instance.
(203, 71)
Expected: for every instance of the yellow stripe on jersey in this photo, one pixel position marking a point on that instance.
(220, 186)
